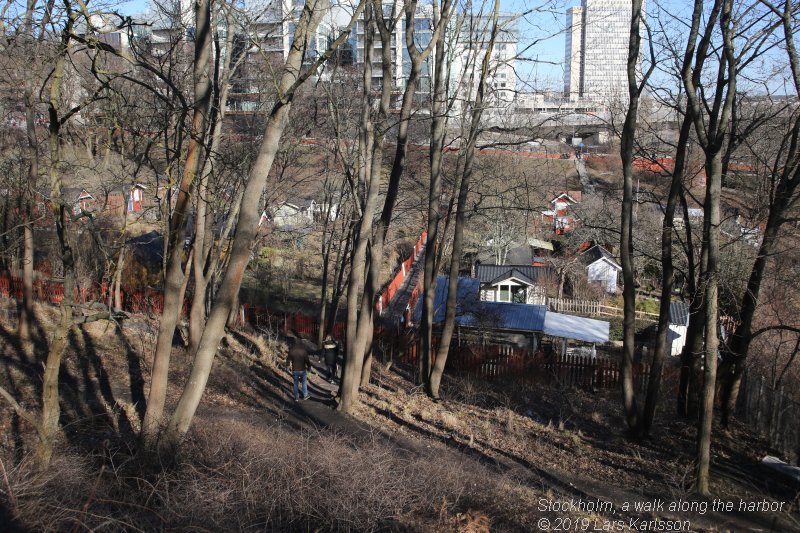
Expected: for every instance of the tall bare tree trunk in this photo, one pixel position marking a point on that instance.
(626, 240)
(249, 215)
(711, 137)
(203, 266)
(667, 280)
(351, 372)
(26, 317)
(434, 369)
(51, 409)
(174, 274)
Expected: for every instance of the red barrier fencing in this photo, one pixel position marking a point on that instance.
(391, 289)
(45, 290)
(148, 301)
(288, 323)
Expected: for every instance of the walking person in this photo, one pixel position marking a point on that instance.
(330, 351)
(300, 363)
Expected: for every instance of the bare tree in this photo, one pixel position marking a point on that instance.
(434, 369)
(784, 174)
(175, 275)
(291, 79)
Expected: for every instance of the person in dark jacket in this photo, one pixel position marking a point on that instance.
(330, 351)
(300, 363)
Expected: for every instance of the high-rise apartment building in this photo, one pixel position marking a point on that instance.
(573, 56)
(602, 49)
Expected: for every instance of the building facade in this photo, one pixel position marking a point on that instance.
(598, 34)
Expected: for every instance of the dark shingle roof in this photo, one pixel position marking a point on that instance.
(512, 273)
(597, 252)
(488, 273)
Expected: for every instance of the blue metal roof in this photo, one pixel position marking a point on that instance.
(472, 312)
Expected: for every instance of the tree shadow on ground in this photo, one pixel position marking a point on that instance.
(541, 476)
(135, 374)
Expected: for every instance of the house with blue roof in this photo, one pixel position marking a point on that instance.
(512, 320)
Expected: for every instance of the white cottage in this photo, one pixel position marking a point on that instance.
(602, 268)
(511, 284)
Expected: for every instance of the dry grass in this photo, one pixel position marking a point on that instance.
(480, 459)
(232, 477)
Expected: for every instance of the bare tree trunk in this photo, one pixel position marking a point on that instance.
(372, 285)
(51, 409)
(249, 215)
(118, 280)
(341, 268)
(711, 339)
(711, 137)
(173, 278)
(626, 240)
(351, 372)
(26, 317)
(203, 265)
(667, 280)
(434, 369)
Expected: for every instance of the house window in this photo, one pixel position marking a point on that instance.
(504, 293)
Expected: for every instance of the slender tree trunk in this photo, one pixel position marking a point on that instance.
(626, 240)
(667, 280)
(711, 136)
(434, 369)
(173, 278)
(711, 324)
(51, 409)
(247, 226)
(351, 372)
(26, 317)
(118, 280)
(341, 268)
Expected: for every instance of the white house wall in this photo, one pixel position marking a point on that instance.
(676, 337)
(604, 273)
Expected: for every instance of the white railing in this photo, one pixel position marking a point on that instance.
(567, 305)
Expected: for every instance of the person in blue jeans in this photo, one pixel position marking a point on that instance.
(300, 362)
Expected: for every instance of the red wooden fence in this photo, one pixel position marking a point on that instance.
(498, 362)
(148, 301)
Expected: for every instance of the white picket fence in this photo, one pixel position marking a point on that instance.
(572, 306)
(592, 308)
